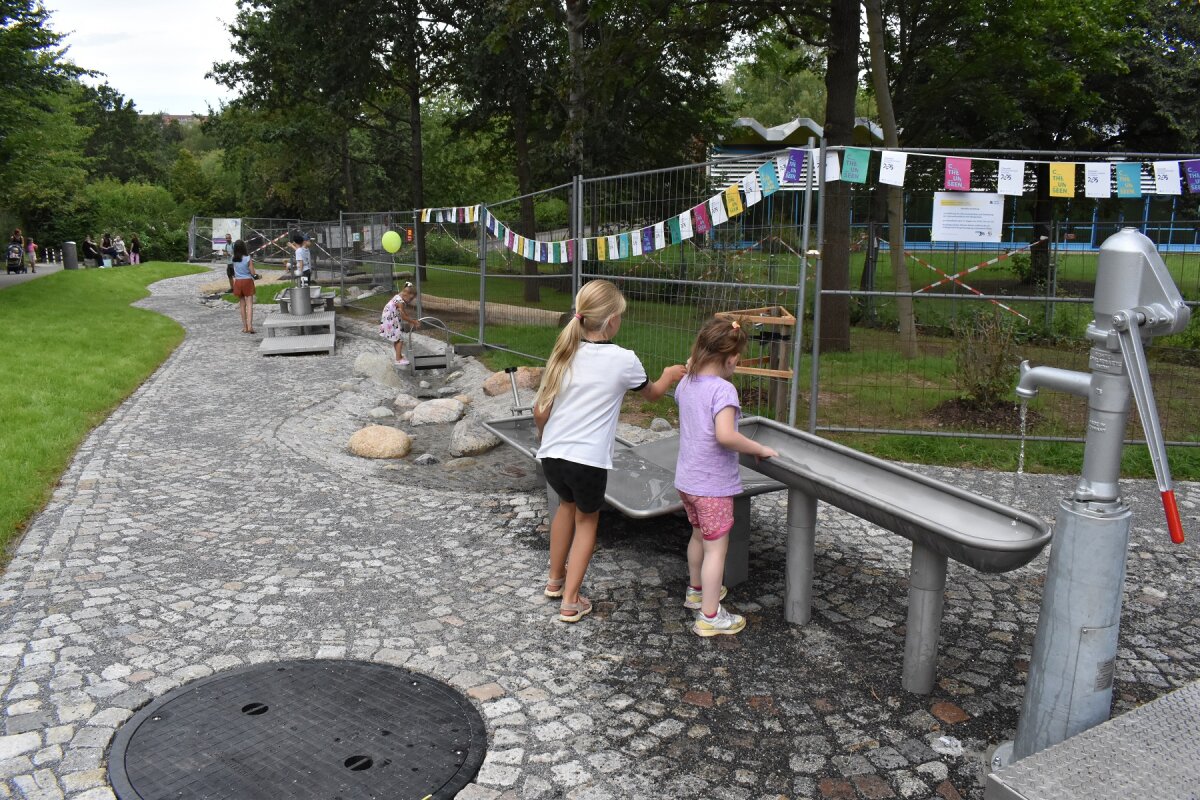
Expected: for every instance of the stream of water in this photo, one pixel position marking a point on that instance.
(1024, 410)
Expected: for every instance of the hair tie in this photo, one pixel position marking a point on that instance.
(579, 316)
(735, 324)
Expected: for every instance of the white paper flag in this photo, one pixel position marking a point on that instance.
(635, 243)
(781, 163)
(716, 210)
(685, 225)
(1166, 177)
(583, 249)
(660, 236)
(892, 167)
(1011, 178)
(1097, 180)
(750, 188)
(833, 167)
(614, 248)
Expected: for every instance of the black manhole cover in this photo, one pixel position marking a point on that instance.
(335, 730)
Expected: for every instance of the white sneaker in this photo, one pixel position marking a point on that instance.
(722, 623)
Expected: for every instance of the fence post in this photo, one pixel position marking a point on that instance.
(342, 255)
(482, 275)
(802, 278)
(578, 234)
(814, 379)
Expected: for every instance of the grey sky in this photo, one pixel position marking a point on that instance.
(154, 52)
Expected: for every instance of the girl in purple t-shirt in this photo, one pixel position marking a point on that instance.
(706, 475)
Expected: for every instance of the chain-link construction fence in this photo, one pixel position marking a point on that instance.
(981, 308)
(977, 309)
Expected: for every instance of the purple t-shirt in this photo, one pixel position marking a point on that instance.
(705, 468)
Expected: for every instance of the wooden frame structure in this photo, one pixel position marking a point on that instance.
(764, 366)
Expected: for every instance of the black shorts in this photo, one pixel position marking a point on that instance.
(581, 484)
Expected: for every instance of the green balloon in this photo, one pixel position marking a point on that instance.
(392, 241)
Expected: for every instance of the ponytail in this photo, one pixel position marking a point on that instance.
(595, 305)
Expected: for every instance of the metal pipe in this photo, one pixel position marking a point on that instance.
(1059, 380)
(926, 596)
(801, 551)
(814, 377)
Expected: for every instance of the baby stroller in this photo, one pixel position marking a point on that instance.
(16, 259)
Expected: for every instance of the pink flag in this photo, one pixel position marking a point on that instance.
(703, 222)
(958, 174)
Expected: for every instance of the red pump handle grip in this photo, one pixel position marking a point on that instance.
(1173, 523)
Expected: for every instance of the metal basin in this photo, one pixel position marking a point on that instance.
(981, 533)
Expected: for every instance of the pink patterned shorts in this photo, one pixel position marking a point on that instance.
(712, 515)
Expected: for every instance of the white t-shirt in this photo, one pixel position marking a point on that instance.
(303, 259)
(583, 423)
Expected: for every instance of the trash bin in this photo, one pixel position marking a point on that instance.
(299, 301)
(70, 259)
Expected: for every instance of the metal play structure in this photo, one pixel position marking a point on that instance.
(1074, 652)
(1071, 672)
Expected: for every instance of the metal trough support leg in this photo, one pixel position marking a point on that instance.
(926, 594)
(801, 546)
(737, 558)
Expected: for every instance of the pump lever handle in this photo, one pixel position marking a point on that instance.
(1126, 323)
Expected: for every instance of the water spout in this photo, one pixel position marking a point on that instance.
(1060, 380)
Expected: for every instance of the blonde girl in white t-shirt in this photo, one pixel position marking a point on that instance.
(576, 411)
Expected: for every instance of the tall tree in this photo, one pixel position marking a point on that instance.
(1007, 74)
(41, 159)
(508, 79)
(841, 89)
(895, 194)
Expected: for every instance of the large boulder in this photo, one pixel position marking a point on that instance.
(470, 438)
(379, 368)
(380, 441)
(498, 383)
(438, 412)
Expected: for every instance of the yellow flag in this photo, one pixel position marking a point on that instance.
(602, 249)
(733, 201)
(1062, 180)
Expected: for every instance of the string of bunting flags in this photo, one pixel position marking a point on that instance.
(851, 165)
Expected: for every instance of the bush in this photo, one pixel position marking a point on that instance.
(985, 359)
(128, 208)
(1022, 267)
(551, 213)
(446, 251)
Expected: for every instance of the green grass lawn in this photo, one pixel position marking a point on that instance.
(74, 350)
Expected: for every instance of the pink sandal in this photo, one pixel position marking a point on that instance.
(573, 612)
(554, 587)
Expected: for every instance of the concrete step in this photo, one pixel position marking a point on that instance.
(308, 343)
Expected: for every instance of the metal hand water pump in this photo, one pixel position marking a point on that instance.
(1074, 651)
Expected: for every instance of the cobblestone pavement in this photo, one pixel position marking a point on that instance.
(215, 520)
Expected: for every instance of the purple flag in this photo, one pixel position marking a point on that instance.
(794, 170)
(648, 240)
(1192, 170)
(570, 249)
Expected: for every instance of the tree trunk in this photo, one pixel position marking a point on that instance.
(895, 194)
(841, 85)
(418, 175)
(576, 110)
(528, 223)
(1043, 216)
